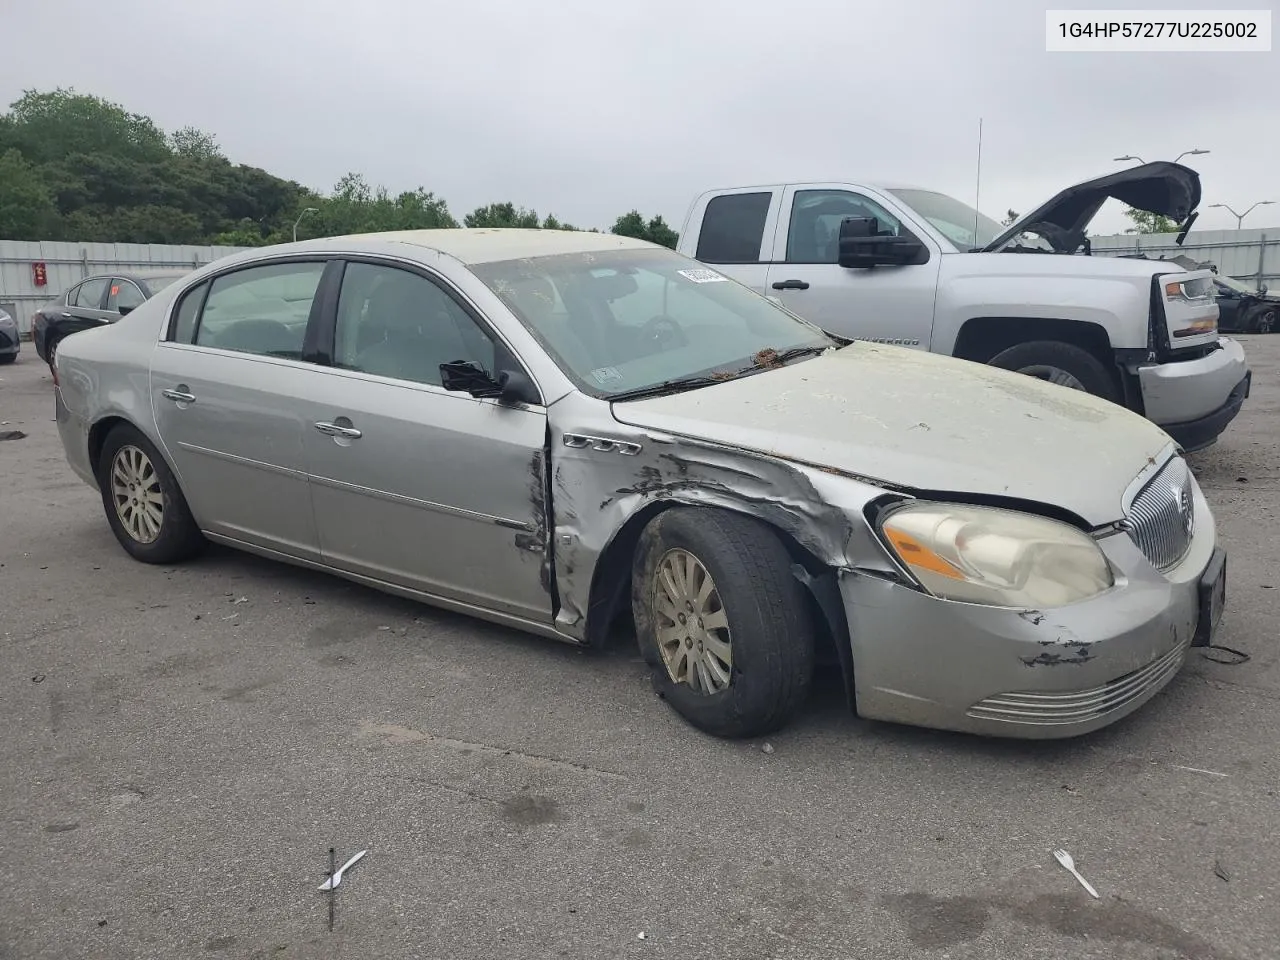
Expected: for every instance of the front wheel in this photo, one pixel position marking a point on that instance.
(725, 627)
(1060, 363)
(145, 507)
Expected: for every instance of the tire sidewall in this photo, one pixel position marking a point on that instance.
(177, 530)
(1073, 359)
(750, 680)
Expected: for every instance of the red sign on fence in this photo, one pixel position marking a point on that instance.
(39, 275)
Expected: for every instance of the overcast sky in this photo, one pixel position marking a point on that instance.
(587, 108)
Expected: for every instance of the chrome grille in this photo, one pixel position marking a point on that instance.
(1162, 519)
(1080, 706)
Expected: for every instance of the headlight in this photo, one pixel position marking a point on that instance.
(6, 320)
(996, 557)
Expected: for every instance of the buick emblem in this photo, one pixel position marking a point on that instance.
(1186, 512)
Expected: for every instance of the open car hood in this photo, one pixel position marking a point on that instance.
(1164, 188)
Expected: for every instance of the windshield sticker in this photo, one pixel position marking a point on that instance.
(698, 275)
(606, 375)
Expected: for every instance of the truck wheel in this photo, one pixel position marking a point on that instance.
(723, 624)
(1062, 363)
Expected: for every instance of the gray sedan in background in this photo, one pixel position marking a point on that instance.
(566, 431)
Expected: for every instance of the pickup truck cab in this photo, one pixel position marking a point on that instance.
(914, 268)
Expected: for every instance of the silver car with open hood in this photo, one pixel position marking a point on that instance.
(565, 431)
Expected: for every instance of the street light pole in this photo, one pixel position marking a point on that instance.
(1240, 216)
(1185, 153)
(299, 220)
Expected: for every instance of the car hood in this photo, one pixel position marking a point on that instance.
(1164, 188)
(928, 423)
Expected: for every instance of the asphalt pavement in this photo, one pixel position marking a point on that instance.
(182, 747)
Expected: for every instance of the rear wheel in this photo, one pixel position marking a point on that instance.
(1060, 363)
(725, 627)
(145, 507)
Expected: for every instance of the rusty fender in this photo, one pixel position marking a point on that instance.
(603, 492)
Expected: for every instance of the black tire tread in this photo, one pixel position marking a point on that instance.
(1078, 361)
(775, 608)
(180, 537)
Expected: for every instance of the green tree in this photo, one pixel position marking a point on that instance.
(26, 204)
(48, 126)
(1146, 222)
(655, 230)
(196, 144)
(502, 215)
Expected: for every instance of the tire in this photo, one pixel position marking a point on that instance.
(1062, 363)
(1262, 320)
(8, 358)
(172, 536)
(50, 350)
(767, 621)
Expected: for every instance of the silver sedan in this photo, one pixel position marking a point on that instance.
(562, 431)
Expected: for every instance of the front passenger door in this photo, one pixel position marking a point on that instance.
(887, 303)
(415, 485)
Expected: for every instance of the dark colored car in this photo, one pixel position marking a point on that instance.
(1243, 309)
(9, 342)
(94, 302)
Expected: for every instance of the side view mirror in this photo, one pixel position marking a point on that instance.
(863, 245)
(467, 376)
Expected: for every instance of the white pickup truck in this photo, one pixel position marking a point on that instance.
(916, 268)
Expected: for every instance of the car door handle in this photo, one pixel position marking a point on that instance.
(337, 430)
(178, 396)
(791, 285)
(66, 315)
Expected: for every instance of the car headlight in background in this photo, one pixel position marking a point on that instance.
(996, 557)
(6, 320)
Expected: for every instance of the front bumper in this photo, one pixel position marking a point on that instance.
(1028, 674)
(1194, 400)
(10, 342)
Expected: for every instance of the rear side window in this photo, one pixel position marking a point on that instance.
(260, 310)
(733, 228)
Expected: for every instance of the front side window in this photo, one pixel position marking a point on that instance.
(814, 233)
(260, 310)
(394, 323)
(620, 321)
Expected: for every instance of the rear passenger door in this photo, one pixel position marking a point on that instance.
(735, 233)
(85, 306)
(227, 385)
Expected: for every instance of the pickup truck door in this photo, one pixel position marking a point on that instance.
(888, 304)
(733, 231)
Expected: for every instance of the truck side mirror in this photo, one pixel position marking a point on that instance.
(863, 245)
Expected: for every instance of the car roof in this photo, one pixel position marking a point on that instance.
(474, 245)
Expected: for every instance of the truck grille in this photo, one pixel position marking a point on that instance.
(1162, 518)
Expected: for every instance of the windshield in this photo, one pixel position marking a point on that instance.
(626, 320)
(1235, 285)
(953, 219)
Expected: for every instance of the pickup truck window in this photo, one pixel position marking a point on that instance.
(733, 228)
(626, 320)
(814, 234)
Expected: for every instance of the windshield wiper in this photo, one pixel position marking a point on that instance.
(670, 386)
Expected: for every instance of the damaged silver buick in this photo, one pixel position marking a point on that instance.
(562, 431)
